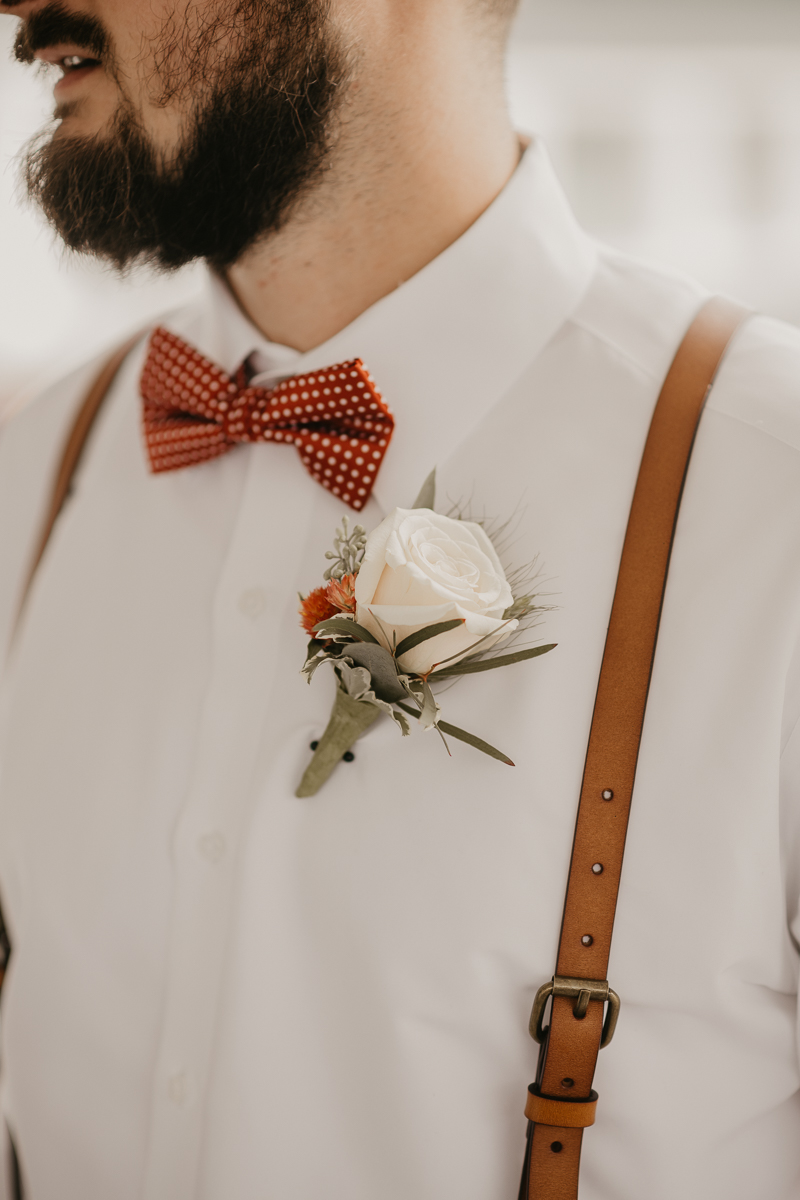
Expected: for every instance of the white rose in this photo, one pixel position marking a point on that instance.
(420, 569)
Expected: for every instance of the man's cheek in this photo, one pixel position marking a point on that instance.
(92, 112)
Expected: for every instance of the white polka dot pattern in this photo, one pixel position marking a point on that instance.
(194, 412)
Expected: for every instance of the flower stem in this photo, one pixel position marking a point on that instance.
(349, 719)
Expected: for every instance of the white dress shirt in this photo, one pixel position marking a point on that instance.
(221, 992)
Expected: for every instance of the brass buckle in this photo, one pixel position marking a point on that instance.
(582, 991)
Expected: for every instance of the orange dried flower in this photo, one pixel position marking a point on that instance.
(315, 608)
(342, 593)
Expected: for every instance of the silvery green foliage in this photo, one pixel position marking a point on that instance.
(341, 628)
(429, 709)
(357, 682)
(348, 551)
(382, 667)
(366, 672)
(316, 655)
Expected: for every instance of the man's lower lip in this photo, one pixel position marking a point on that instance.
(74, 76)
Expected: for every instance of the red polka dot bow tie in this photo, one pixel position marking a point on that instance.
(194, 412)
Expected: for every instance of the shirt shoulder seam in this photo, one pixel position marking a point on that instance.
(775, 437)
(651, 375)
(579, 323)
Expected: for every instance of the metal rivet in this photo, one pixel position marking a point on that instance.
(568, 1083)
(587, 940)
(597, 868)
(556, 1147)
(608, 794)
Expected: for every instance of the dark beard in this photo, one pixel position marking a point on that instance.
(259, 137)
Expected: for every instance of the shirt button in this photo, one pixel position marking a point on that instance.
(212, 846)
(178, 1088)
(253, 602)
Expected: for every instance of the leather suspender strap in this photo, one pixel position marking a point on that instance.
(71, 454)
(584, 1008)
(74, 445)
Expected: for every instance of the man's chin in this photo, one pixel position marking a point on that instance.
(66, 112)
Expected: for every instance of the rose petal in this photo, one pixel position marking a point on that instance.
(401, 619)
(421, 568)
(374, 559)
(454, 645)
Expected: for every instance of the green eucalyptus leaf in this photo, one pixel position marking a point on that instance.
(427, 494)
(462, 736)
(422, 635)
(343, 627)
(474, 649)
(489, 664)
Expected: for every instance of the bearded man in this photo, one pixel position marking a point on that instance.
(218, 990)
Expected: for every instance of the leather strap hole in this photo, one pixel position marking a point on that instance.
(568, 1083)
(608, 794)
(556, 1147)
(587, 940)
(597, 868)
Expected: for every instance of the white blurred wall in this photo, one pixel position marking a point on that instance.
(687, 155)
(674, 125)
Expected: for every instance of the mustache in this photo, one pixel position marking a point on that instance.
(54, 25)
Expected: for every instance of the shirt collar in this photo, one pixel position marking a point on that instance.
(221, 330)
(445, 346)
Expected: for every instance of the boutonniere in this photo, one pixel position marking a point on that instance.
(420, 600)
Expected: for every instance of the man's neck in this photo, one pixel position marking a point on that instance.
(420, 155)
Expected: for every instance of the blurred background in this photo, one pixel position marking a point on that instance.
(674, 126)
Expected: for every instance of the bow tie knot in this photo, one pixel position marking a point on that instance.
(194, 412)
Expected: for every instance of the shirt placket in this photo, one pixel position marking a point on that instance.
(248, 612)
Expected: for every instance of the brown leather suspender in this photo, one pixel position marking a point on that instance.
(71, 454)
(78, 435)
(561, 1103)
